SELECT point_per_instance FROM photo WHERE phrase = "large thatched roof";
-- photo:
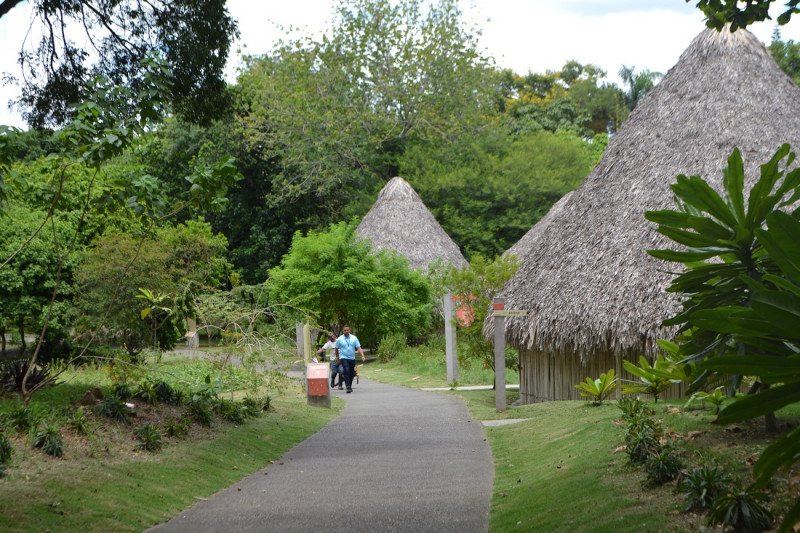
(528, 241)
(400, 221)
(588, 284)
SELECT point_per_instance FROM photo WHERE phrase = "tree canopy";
(192, 36)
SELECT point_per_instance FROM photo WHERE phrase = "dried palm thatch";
(528, 241)
(590, 289)
(400, 221)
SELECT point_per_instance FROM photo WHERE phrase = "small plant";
(741, 511)
(716, 398)
(114, 408)
(663, 465)
(166, 394)
(231, 411)
(177, 427)
(256, 405)
(78, 421)
(640, 446)
(702, 485)
(22, 418)
(48, 439)
(122, 391)
(200, 411)
(599, 389)
(149, 438)
(391, 345)
(631, 407)
(6, 449)
(653, 380)
(146, 391)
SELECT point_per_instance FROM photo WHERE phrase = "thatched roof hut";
(522, 247)
(592, 293)
(400, 221)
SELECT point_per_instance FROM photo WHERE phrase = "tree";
(194, 37)
(720, 12)
(638, 84)
(335, 278)
(342, 110)
(786, 54)
(478, 284)
(487, 190)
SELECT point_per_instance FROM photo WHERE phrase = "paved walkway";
(396, 460)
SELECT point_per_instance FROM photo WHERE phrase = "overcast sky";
(525, 35)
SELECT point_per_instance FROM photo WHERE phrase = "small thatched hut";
(528, 241)
(400, 221)
(593, 295)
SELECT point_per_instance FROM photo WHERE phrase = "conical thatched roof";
(400, 221)
(588, 284)
(528, 241)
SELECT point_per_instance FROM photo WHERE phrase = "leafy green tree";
(786, 54)
(638, 84)
(720, 12)
(741, 314)
(57, 71)
(342, 110)
(38, 270)
(335, 278)
(478, 284)
(487, 190)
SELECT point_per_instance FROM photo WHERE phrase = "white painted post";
(499, 355)
(451, 354)
(307, 344)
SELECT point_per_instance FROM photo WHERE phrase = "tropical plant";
(78, 421)
(663, 465)
(741, 288)
(6, 449)
(147, 391)
(653, 378)
(48, 438)
(390, 346)
(149, 438)
(715, 398)
(702, 485)
(741, 511)
(599, 389)
(177, 427)
(632, 408)
(114, 407)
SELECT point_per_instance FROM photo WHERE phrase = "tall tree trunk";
(22, 344)
(3, 342)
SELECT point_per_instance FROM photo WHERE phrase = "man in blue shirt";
(346, 346)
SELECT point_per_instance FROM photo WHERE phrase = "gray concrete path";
(396, 460)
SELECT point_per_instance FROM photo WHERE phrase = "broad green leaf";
(791, 518)
(764, 402)
(696, 191)
(782, 242)
(684, 257)
(691, 239)
(750, 365)
(780, 454)
(733, 183)
(759, 201)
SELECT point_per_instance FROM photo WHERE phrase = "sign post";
(500, 313)
(498, 304)
(451, 357)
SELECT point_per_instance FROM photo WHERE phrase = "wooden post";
(298, 331)
(499, 355)
(307, 343)
(451, 354)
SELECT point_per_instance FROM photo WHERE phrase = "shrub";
(12, 372)
(390, 346)
(256, 405)
(177, 427)
(122, 391)
(200, 411)
(631, 407)
(114, 408)
(78, 421)
(663, 465)
(48, 439)
(741, 511)
(232, 411)
(6, 449)
(22, 418)
(702, 485)
(146, 391)
(166, 394)
(149, 438)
